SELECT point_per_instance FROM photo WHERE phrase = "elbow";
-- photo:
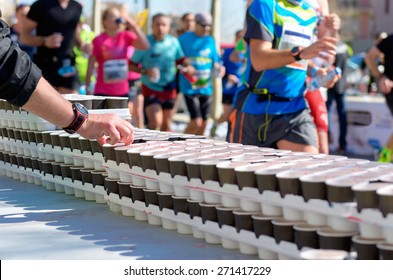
(367, 59)
(259, 66)
(259, 63)
(145, 46)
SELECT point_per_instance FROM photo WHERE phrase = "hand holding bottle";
(154, 74)
(218, 70)
(53, 41)
(188, 73)
(329, 26)
(231, 81)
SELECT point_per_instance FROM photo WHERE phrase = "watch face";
(295, 50)
(81, 108)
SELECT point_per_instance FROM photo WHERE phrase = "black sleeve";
(386, 44)
(19, 76)
(35, 12)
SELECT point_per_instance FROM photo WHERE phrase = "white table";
(39, 224)
(370, 123)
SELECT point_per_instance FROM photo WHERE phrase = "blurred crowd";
(278, 79)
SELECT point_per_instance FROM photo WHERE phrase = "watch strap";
(297, 56)
(296, 51)
(77, 122)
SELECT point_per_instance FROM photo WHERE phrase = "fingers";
(328, 42)
(123, 132)
(126, 131)
(108, 128)
(102, 140)
(327, 55)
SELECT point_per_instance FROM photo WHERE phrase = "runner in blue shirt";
(159, 73)
(232, 78)
(270, 109)
(200, 48)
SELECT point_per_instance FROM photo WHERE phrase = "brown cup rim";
(111, 179)
(335, 182)
(194, 201)
(329, 232)
(205, 204)
(270, 171)
(153, 152)
(361, 240)
(150, 190)
(168, 155)
(227, 164)
(209, 162)
(307, 227)
(161, 193)
(254, 167)
(227, 208)
(285, 222)
(385, 246)
(250, 213)
(182, 158)
(195, 161)
(137, 187)
(265, 217)
(179, 197)
(370, 187)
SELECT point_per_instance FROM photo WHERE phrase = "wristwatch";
(81, 114)
(295, 52)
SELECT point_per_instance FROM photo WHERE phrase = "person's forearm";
(374, 69)
(264, 57)
(134, 68)
(89, 72)
(141, 42)
(32, 40)
(236, 56)
(47, 103)
(371, 62)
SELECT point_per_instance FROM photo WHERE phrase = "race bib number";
(115, 70)
(295, 35)
(203, 79)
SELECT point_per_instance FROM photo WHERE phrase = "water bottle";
(320, 81)
(217, 70)
(155, 78)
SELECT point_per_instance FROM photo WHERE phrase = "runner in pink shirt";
(111, 53)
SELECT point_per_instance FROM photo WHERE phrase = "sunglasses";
(205, 25)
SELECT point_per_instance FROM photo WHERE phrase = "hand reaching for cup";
(107, 129)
